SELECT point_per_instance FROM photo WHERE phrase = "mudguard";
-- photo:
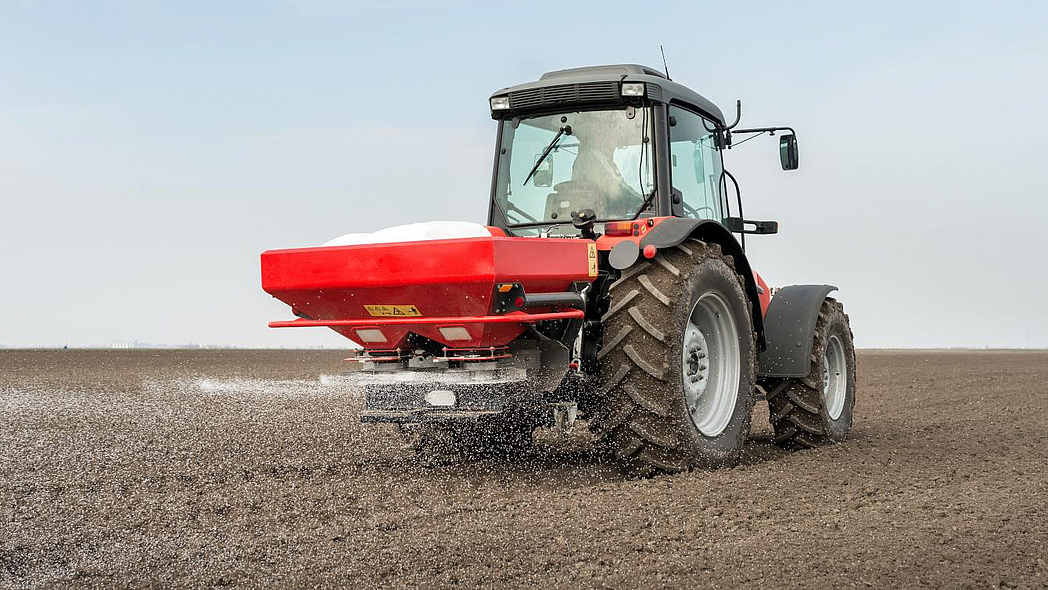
(789, 330)
(673, 231)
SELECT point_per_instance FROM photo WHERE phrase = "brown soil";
(243, 468)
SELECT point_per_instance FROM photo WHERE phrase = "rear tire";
(678, 362)
(817, 410)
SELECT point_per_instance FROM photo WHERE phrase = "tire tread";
(636, 417)
(795, 405)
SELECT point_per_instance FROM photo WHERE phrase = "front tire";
(678, 362)
(817, 409)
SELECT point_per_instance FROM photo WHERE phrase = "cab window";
(603, 163)
(695, 164)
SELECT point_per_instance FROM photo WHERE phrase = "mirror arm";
(738, 115)
(765, 130)
(726, 141)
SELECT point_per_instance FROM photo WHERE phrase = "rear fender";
(790, 330)
(674, 230)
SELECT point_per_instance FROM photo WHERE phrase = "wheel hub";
(710, 360)
(696, 364)
(834, 377)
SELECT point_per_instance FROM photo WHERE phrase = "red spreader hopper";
(466, 293)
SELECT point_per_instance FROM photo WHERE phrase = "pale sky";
(149, 150)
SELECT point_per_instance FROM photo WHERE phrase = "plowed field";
(248, 468)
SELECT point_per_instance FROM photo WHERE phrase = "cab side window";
(695, 164)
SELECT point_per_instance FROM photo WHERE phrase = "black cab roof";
(597, 85)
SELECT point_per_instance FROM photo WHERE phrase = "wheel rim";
(834, 377)
(710, 367)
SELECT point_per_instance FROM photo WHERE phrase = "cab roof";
(600, 84)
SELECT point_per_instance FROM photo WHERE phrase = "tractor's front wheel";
(678, 362)
(817, 409)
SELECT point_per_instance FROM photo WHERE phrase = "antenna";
(666, 67)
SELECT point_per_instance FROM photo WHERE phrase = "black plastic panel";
(789, 330)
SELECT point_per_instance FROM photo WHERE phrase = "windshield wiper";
(565, 130)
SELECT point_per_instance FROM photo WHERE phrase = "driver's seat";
(570, 196)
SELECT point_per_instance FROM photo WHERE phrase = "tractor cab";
(623, 141)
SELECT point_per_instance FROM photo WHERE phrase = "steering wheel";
(698, 212)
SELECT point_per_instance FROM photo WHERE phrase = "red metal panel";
(378, 265)
(609, 242)
(451, 278)
(763, 293)
(542, 265)
(510, 318)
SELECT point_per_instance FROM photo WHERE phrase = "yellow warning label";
(407, 311)
(592, 259)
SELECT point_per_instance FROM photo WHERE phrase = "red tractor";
(608, 284)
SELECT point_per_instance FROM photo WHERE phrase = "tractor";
(610, 285)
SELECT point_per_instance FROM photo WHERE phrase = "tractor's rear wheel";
(817, 409)
(678, 362)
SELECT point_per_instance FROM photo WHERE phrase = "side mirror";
(788, 155)
(543, 175)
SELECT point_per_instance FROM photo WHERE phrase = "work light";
(632, 89)
(499, 103)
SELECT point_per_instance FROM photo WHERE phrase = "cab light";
(618, 228)
(499, 103)
(632, 89)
